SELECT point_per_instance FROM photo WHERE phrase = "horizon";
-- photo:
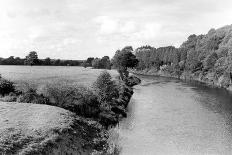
(77, 29)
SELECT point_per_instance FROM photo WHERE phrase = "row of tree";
(32, 59)
(98, 63)
(205, 53)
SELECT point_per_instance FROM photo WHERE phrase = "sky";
(77, 29)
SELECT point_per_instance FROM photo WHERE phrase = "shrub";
(78, 99)
(31, 96)
(6, 87)
(133, 80)
(105, 88)
(12, 97)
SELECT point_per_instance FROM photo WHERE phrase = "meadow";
(40, 75)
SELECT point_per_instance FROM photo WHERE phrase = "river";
(173, 117)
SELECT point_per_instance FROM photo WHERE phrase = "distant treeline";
(32, 59)
(98, 63)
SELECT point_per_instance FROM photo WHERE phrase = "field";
(40, 75)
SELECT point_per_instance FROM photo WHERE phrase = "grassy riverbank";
(42, 129)
(62, 117)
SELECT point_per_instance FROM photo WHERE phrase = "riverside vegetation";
(206, 58)
(96, 108)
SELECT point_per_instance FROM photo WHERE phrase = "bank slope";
(43, 129)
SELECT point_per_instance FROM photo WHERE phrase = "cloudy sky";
(76, 29)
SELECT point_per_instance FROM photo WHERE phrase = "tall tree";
(89, 60)
(32, 59)
(124, 59)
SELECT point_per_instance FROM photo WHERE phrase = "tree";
(124, 59)
(89, 61)
(209, 61)
(96, 62)
(47, 61)
(105, 88)
(105, 62)
(32, 59)
(57, 62)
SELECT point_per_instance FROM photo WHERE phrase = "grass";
(23, 124)
(41, 75)
(39, 129)
(26, 124)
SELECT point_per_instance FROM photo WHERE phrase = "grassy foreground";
(42, 129)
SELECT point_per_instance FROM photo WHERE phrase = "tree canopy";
(124, 59)
(32, 59)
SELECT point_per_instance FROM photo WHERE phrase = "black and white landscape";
(115, 77)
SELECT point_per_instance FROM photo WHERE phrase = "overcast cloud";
(76, 29)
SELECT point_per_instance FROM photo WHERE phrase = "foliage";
(103, 63)
(47, 62)
(30, 95)
(152, 57)
(6, 87)
(124, 59)
(96, 63)
(11, 97)
(209, 61)
(12, 61)
(85, 64)
(105, 88)
(78, 99)
(211, 52)
(32, 59)
(89, 60)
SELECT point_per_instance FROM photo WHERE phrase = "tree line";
(32, 59)
(98, 63)
(211, 52)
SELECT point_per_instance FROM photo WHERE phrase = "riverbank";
(27, 128)
(209, 78)
(42, 129)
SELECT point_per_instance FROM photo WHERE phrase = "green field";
(50, 74)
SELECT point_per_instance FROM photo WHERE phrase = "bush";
(133, 80)
(6, 87)
(31, 96)
(12, 97)
(78, 99)
(105, 88)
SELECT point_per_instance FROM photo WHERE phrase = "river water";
(172, 117)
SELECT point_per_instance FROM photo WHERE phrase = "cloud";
(107, 24)
(128, 27)
(76, 29)
(148, 31)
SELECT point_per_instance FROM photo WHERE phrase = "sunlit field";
(50, 74)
